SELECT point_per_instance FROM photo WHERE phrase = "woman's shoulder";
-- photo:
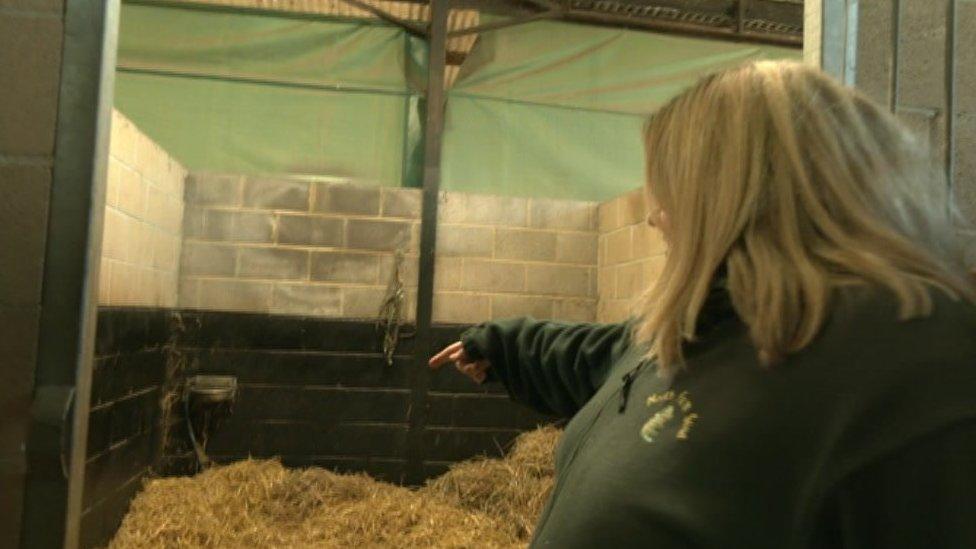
(873, 317)
(899, 379)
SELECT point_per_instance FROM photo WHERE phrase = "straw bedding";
(259, 503)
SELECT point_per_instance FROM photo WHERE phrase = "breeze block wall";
(295, 246)
(143, 221)
(31, 39)
(299, 247)
(504, 257)
(631, 255)
(918, 58)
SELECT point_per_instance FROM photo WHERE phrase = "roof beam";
(409, 26)
(549, 14)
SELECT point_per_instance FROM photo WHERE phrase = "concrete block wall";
(964, 122)
(143, 221)
(327, 249)
(918, 57)
(631, 255)
(31, 37)
(294, 246)
(501, 257)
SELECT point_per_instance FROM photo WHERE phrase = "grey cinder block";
(345, 198)
(273, 263)
(525, 245)
(310, 230)
(200, 258)
(233, 295)
(276, 194)
(236, 226)
(576, 248)
(345, 267)
(203, 189)
(562, 280)
(367, 234)
(403, 203)
(562, 214)
(492, 276)
(305, 299)
(508, 306)
(459, 240)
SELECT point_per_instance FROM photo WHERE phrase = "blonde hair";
(795, 185)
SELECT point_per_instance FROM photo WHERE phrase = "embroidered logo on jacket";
(677, 409)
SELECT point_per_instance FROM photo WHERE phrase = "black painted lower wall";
(317, 392)
(312, 391)
(129, 370)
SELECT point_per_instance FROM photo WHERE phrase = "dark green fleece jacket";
(866, 439)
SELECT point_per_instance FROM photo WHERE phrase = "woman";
(802, 375)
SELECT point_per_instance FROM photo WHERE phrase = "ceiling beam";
(409, 26)
(681, 28)
(518, 20)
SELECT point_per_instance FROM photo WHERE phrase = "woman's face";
(656, 218)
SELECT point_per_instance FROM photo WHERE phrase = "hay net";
(259, 503)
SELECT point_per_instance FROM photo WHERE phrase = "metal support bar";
(433, 129)
(409, 26)
(952, 46)
(835, 38)
(550, 14)
(850, 45)
(675, 27)
(740, 16)
(553, 10)
(56, 468)
(895, 53)
(547, 5)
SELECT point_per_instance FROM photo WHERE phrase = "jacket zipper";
(628, 380)
(624, 392)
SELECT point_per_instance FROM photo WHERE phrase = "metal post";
(57, 442)
(839, 32)
(952, 110)
(433, 128)
(850, 45)
(895, 63)
(740, 17)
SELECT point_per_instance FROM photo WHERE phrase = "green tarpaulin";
(596, 68)
(521, 149)
(542, 109)
(556, 109)
(240, 127)
(239, 92)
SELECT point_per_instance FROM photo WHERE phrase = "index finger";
(444, 356)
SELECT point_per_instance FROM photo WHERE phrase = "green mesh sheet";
(235, 91)
(235, 127)
(542, 109)
(243, 45)
(555, 109)
(596, 68)
(519, 149)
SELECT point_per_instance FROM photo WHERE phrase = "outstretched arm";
(554, 367)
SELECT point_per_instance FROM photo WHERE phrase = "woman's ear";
(663, 223)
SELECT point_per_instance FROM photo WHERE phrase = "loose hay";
(260, 503)
(511, 490)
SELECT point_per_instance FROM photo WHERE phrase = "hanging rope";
(391, 311)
